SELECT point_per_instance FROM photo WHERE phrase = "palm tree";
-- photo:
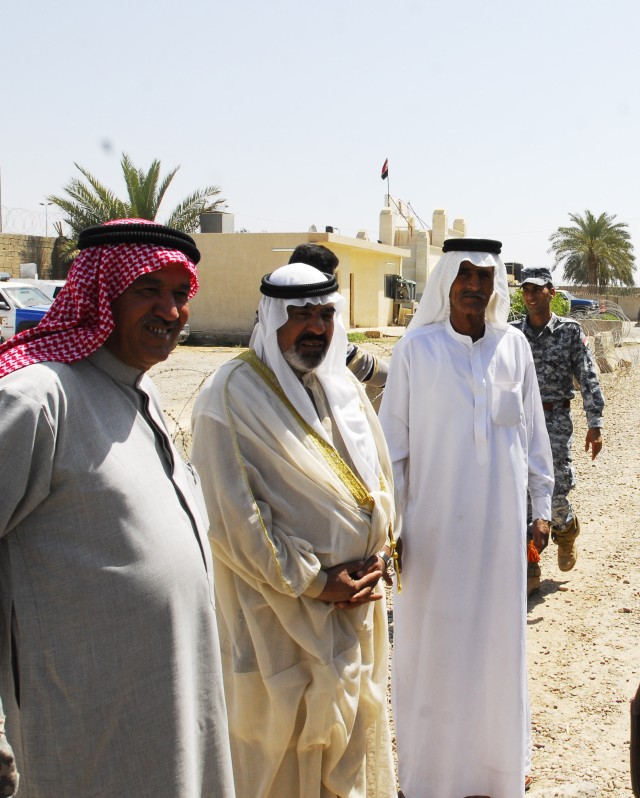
(90, 203)
(62, 254)
(594, 251)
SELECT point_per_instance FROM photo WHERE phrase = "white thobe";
(467, 435)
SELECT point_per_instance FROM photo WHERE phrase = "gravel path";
(583, 626)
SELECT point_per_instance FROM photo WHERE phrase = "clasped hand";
(351, 584)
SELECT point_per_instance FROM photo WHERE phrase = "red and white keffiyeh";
(80, 319)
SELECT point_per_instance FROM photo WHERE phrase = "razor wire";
(22, 221)
(609, 332)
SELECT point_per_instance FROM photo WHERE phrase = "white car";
(22, 305)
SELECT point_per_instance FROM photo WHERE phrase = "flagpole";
(385, 176)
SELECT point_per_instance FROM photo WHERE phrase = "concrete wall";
(630, 304)
(232, 265)
(16, 249)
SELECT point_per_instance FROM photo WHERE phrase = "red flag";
(385, 169)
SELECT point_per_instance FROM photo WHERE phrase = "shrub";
(559, 305)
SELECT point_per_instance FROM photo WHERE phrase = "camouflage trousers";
(560, 429)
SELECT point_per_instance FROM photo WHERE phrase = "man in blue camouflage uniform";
(561, 353)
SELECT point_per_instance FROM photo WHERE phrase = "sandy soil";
(584, 626)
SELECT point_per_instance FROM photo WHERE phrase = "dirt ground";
(583, 626)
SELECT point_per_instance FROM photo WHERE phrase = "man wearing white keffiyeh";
(298, 486)
(466, 433)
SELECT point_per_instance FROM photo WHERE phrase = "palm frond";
(186, 215)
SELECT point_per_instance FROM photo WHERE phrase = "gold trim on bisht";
(337, 464)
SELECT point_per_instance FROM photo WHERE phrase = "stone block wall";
(16, 249)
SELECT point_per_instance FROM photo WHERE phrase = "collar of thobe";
(465, 339)
(480, 388)
(134, 379)
(106, 361)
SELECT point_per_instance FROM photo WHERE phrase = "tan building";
(232, 265)
(398, 226)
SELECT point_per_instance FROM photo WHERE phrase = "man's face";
(305, 337)
(471, 290)
(537, 298)
(149, 315)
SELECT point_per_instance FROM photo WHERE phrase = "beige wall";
(363, 266)
(232, 265)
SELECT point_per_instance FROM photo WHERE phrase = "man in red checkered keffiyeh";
(80, 320)
(113, 685)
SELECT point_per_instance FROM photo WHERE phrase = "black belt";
(549, 406)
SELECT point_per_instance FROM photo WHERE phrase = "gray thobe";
(110, 666)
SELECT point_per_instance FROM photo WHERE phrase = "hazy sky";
(507, 114)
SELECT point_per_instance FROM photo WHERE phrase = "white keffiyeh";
(342, 393)
(435, 306)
